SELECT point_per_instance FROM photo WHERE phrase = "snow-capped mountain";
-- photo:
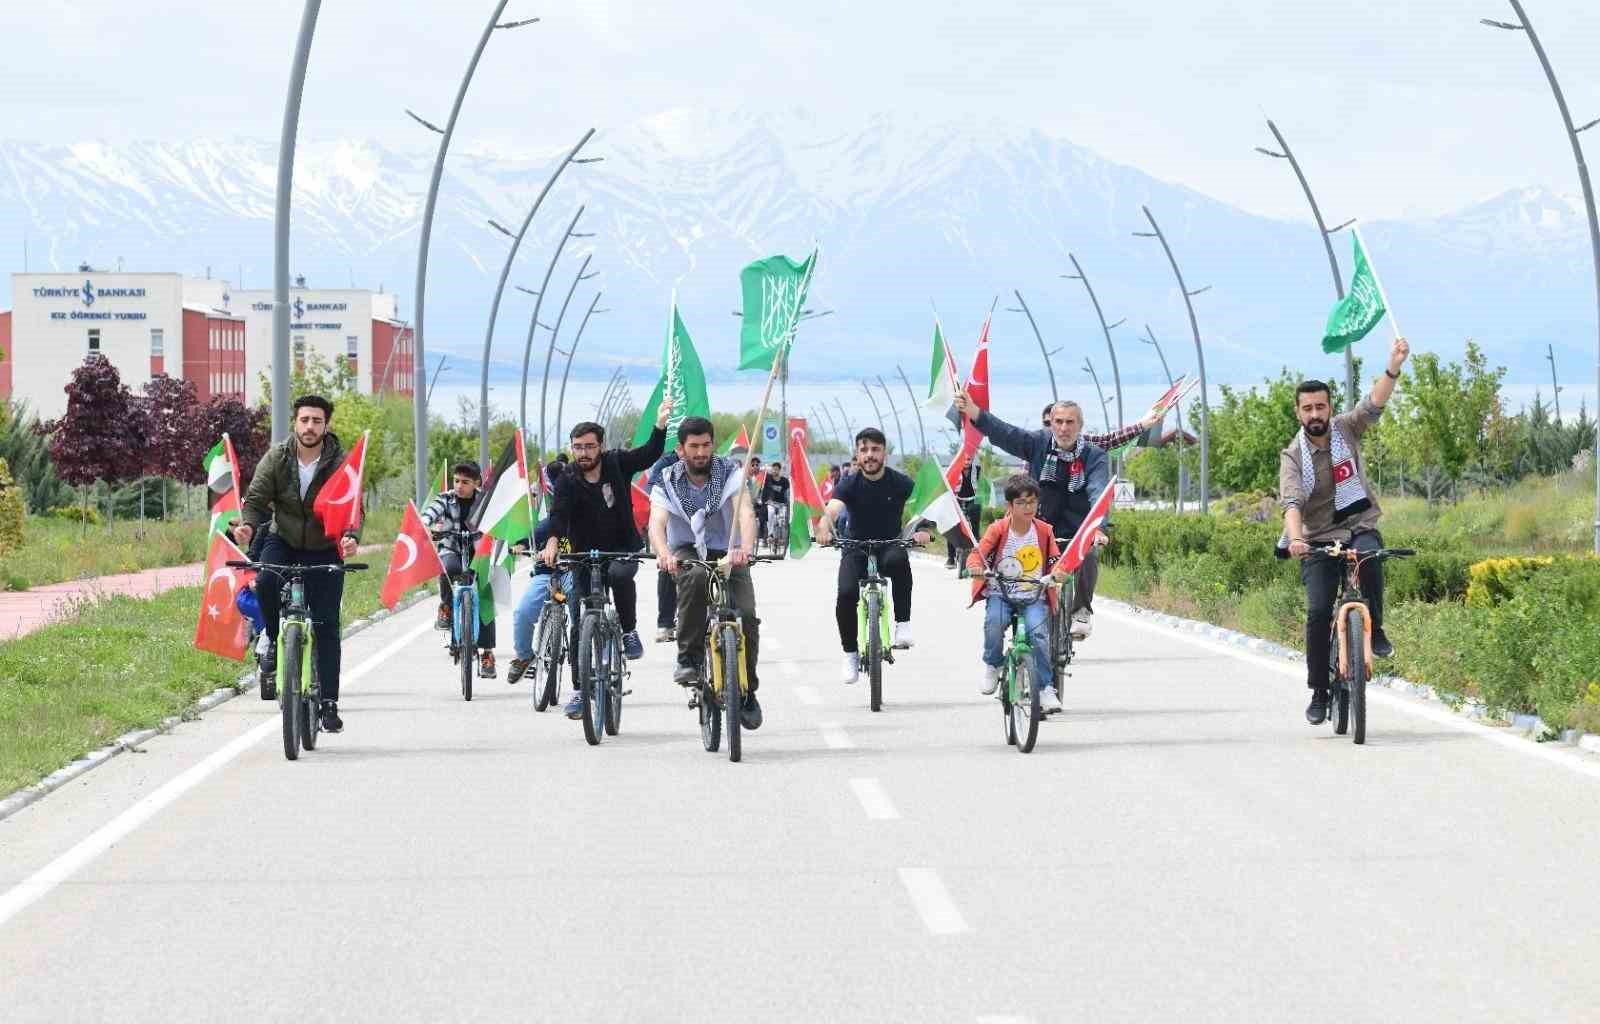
(908, 213)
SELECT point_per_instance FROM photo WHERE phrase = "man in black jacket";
(593, 511)
(448, 518)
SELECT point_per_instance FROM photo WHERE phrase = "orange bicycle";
(1350, 653)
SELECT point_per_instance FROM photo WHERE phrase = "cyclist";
(446, 515)
(1323, 488)
(753, 479)
(692, 509)
(1018, 544)
(287, 481)
(875, 498)
(774, 501)
(526, 615)
(1071, 469)
(593, 511)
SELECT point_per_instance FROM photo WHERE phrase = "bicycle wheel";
(614, 686)
(1355, 639)
(1338, 694)
(732, 699)
(1061, 633)
(291, 656)
(1025, 709)
(591, 669)
(1005, 706)
(550, 652)
(464, 649)
(310, 720)
(874, 601)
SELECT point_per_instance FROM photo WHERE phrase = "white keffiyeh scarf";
(1349, 494)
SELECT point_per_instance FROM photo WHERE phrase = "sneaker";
(1050, 701)
(268, 664)
(1082, 624)
(949, 563)
(664, 635)
(902, 636)
(1381, 647)
(486, 665)
(1317, 710)
(991, 680)
(442, 620)
(632, 646)
(850, 670)
(750, 714)
(519, 668)
(331, 722)
(686, 674)
(574, 708)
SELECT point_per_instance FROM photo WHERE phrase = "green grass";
(1539, 515)
(54, 550)
(119, 664)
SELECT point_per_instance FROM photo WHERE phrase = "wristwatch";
(1390, 374)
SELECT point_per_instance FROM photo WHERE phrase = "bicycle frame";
(464, 602)
(874, 580)
(1351, 599)
(295, 612)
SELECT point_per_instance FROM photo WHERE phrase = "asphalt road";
(1181, 845)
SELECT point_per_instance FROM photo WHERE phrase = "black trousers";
(324, 592)
(666, 599)
(969, 509)
(694, 607)
(895, 565)
(624, 593)
(453, 567)
(1323, 580)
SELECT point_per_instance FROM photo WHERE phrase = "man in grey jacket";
(1323, 488)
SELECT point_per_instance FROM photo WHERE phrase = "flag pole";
(1377, 279)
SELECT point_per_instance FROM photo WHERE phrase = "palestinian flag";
(806, 496)
(222, 478)
(737, 447)
(444, 478)
(507, 512)
(493, 563)
(933, 500)
(941, 395)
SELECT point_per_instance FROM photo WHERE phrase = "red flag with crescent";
(222, 628)
(1083, 541)
(414, 560)
(338, 504)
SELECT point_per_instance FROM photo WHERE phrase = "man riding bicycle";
(875, 500)
(592, 511)
(287, 481)
(1071, 469)
(1323, 488)
(692, 511)
(447, 517)
(774, 500)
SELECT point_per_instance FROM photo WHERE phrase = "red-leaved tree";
(177, 449)
(104, 434)
(249, 429)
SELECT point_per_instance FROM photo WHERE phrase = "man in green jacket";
(285, 488)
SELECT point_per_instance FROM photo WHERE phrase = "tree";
(27, 452)
(104, 435)
(176, 449)
(1443, 414)
(1248, 430)
(249, 429)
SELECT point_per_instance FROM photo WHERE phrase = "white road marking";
(833, 735)
(36, 886)
(1377, 694)
(932, 901)
(1001, 1018)
(807, 696)
(789, 668)
(874, 799)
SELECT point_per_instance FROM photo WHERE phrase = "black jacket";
(599, 516)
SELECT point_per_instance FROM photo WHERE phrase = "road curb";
(133, 740)
(1532, 727)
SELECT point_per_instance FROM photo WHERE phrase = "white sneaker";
(902, 636)
(1050, 701)
(850, 671)
(991, 680)
(262, 645)
(1082, 624)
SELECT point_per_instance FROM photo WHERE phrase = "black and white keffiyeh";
(695, 504)
(1072, 458)
(1349, 494)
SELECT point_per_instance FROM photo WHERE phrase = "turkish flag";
(414, 560)
(640, 494)
(338, 503)
(1083, 541)
(977, 386)
(222, 628)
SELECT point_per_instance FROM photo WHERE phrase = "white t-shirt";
(1021, 557)
(307, 472)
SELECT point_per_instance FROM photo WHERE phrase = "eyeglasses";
(585, 447)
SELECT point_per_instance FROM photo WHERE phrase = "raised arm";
(1010, 439)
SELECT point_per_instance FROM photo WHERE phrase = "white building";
(351, 323)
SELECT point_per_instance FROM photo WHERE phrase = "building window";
(352, 346)
(158, 343)
(94, 339)
(299, 353)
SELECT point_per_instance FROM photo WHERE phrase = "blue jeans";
(526, 617)
(997, 619)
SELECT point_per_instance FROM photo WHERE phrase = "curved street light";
(534, 325)
(1104, 410)
(555, 333)
(561, 398)
(922, 432)
(849, 428)
(1022, 307)
(1177, 408)
(281, 208)
(898, 429)
(1116, 373)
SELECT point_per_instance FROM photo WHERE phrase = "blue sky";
(1395, 107)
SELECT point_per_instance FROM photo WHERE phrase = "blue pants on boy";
(997, 619)
(526, 617)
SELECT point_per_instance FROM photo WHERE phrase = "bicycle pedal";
(627, 693)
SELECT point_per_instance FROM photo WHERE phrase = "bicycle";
(1350, 647)
(297, 704)
(463, 608)
(778, 527)
(1062, 643)
(1018, 691)
(601, 668)
(550, 645)
(725, 644)
(872, 624)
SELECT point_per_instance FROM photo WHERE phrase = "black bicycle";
(724, 680)
(1350, 649)
(1062, 642)
(550, 644)
(602, 667)
(872, 616)
(300, 702)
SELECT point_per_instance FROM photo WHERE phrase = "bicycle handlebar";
(289, 570)
(845, 543)
(1341, 552)
(575, 558)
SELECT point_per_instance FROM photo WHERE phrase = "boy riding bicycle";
(447, 516)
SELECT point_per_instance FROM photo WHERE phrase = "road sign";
(1125, 497)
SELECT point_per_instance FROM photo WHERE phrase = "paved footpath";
(1180, 846)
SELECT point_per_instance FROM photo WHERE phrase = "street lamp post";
(605, 396)
(832, 426)
(1555, 383)
(419, 403)
(1200, 357)
(1104, 409)
(1116, 373)
(534, 325)
(877, 413)
(285, 195)
(916, 406)
(1283, 152)
(1022, 307)
(555, 333)
(561, 397)
(505, 272)
(894, 411)
(849, 428)
(436, 371)
(1525, 25)
(1177, 408)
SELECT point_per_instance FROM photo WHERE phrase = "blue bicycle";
(463, 641)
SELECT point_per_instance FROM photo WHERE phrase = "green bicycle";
(297, 661)
(1019, 688)
(872, 618)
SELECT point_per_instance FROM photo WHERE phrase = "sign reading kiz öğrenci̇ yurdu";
(88, 297)
(298, 310)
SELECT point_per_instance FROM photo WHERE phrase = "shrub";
(11, 511)
(1276, 611)
(1494, 580)
(1202, 578)
(76, 514)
